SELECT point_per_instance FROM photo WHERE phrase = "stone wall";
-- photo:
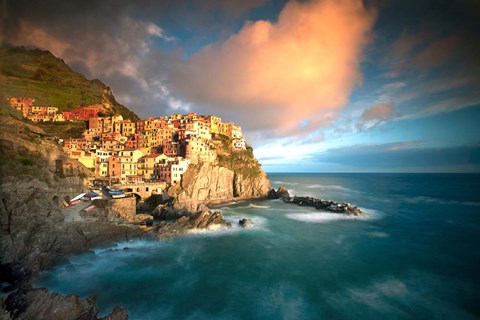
(125, 209)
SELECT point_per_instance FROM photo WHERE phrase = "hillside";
(39, 74)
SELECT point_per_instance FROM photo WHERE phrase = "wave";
(285, 183)
(259, 224)
(131, 244)
(324, 217)
(251, 205)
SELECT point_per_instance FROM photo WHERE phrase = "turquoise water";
(415, 256)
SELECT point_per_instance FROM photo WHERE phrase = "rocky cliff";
(33, 232)
(232, 174)
(209, 183)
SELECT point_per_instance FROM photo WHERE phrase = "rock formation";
(40, 304)
(245, 223)
(33, 233)
(208, 183)
(319, 204)
(202, 220)
(281, 193)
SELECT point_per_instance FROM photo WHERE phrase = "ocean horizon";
(413, 255)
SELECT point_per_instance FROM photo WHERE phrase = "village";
(124, 152)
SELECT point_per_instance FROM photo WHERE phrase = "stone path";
(72, 214)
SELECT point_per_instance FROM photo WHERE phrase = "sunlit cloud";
(284, 72)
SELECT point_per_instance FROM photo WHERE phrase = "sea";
(415, 255)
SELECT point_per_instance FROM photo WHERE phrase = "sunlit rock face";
(208, 183)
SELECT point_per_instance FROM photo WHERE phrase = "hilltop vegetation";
(239, 161)
(39, 74)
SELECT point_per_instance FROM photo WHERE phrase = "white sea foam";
(132, 244)
(330, 187)
(316, 217)
(285, 183)
(324, 217)
(251, 205)
(259, 223)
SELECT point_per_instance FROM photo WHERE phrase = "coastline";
(63, 239)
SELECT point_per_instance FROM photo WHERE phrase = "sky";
(317, 85)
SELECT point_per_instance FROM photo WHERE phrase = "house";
(126, 128)
(239, 144)
(178, 168)
(147, 163)
(19, 102)
(196, 149)
(226, 129)
(171, 171)
(83, 112)
(43, 110)
(214, 123)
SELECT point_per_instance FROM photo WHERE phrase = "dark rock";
(28, 303)
(201, 220)
(327, 205)
(272, 194)
(149, 222)
(118, 313)
(167, 212)
(245, 223)
(282, 193)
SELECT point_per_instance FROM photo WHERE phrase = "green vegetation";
(39, 74)
(241, 162)
(6, 111)
(64, 130)
(16, 163)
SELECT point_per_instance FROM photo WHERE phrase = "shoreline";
(22, 288)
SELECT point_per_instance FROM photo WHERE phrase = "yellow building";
(214, 123)
(127, 128)
(146, 164)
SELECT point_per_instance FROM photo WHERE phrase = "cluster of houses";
(43, 114)
(153, 149)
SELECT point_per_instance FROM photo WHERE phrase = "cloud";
(381, 111)
(280, 75)
(404, 156)
(375, 115)
(118, 41)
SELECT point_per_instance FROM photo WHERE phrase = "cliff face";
(209, 183)
(251, 187)
(33, 233)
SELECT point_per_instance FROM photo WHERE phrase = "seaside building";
(146, 164)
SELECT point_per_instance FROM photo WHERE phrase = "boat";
(113, 193)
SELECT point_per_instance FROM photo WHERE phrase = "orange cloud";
(301, 67)
(379, 111)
